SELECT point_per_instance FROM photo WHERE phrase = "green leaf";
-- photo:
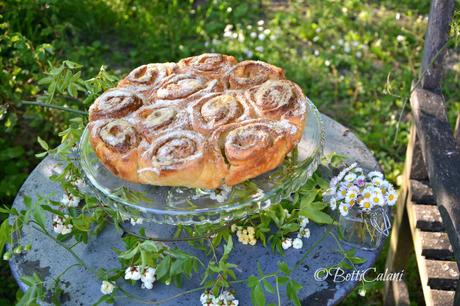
(5, 234)
(257, 295)
(284, 268)
(228, 247)
(357, 260)
(43, 143)
(317, 216)
(268, 286)
(291, 289)
(252, 281)
(149, 246)
(72, 65)
(129, 253)
(163, 267)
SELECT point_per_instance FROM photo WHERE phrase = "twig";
(62, 108)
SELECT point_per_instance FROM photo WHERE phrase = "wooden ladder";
(428, 209)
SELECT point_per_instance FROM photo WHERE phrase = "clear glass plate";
(177, 205)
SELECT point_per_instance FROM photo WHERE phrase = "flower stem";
(80, 261)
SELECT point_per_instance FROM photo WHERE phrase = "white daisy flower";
(374, 174)
(261, 36)
(367, 193)
(385, 184)
(333, 203)
(107, 287)
(229, 9)
(260, 22)
(333, 182)
(377, 199)
(392, 197)
(350, 177)
(253, 34)
(343, 208)
(287, 243)
(267, 31)
(377, 181)
(352, 195)
(260, 49)
(297, 243)
(366, 205)
(133, 273)
(342, 192)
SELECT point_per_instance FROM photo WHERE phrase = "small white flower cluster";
(69, 200)
(352, 187)
(62, 225)
(245, 235)
(349, 46)
(107, 287)
(297, 242)
(145, 274)
(226, 298)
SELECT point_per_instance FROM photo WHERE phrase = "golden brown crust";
(204, 122)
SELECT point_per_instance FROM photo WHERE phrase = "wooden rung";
(442, 274)
(427, 218)
(435, 245)
(421, 192)
(442, 297)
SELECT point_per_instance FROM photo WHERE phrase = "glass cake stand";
(178, 205)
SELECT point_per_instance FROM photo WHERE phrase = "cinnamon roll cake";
(203, 122)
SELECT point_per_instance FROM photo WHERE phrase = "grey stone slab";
(81, 287)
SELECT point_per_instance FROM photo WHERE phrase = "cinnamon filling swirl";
(119, 135)
(115, 103)
(209, 62)
(180, 86)
(277, 99)
(215, 110)
(174, 149)
(251, 73)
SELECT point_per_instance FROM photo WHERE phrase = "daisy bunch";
(353, 188)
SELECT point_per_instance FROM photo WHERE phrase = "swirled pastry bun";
(203, 122)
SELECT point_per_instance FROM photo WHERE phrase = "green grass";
(354, 59)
